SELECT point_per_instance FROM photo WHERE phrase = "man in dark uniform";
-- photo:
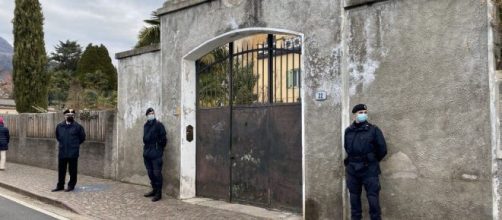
(70, 136)
(365, 147)
(154, 139)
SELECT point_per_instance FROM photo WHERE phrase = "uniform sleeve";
(82, 135)
(57, 134)
(162, 139)
(345, 139)
(381, 145)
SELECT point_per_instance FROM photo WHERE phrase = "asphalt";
(14, 211)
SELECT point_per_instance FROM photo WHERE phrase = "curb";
(43, 199)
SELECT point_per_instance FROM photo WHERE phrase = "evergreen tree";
(29, 61)
(67, 55)
(59, 86)
(107, 68)
(96, 60)
(62, 65)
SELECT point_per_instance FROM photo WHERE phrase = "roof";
(7, 102)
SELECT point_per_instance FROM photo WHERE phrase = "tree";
(151, 34)
(59, 86)
(96, 80)
(93, 59)
(75, 94)
(61, 67)
(67, 55)
(213, 83)
(244, 82)
(29, 60)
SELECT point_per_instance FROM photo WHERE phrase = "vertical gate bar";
(247, 55)
(206, 93)
(247, 62)
(197, 86)
(293, 70)
(282, 71)
(252, 69)
(287, 74)
(270, 42)
(263, 73)
(230, 72)
(300, 72)
(241, 61)
(275, 72)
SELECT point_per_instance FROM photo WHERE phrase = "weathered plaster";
(430, 96)
(139, 84)
(494, 106)
(399, 165)
(420, 65)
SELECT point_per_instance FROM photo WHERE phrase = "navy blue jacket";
(69, 136)
(365, 146)
(4, 138)
(154, 139)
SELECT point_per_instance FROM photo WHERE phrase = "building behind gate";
(425, 68)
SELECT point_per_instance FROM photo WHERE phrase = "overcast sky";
(113, 23)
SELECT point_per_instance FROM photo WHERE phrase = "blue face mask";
(362, 117)
(150, 117)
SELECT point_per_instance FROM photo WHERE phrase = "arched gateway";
(247, 131)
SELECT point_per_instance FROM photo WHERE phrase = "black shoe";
(69, 189)
(157, 197)
(150, 194)
(57, 189)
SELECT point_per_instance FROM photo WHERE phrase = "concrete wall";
(420, 65)
(422, 68)
(139, 87)
(95, 156)
(184, 31)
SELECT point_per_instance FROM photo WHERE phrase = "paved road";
(13, 211)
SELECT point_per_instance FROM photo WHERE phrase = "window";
(293, 78)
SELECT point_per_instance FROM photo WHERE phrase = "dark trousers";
(154, 168)
(72, 164)
(372, 187)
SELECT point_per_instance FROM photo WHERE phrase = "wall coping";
(173, 6)
(138, 51)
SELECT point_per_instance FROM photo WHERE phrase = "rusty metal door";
(285, 152)
(212, 153)
(249, 133)
(250, 156)
(267, 156)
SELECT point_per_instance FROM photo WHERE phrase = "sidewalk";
(105, 199)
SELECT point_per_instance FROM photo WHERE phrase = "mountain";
(6, 52)
(5, 47)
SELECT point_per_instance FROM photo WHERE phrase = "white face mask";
(150, 117)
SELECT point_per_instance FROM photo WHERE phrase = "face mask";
(70, 119)
(362, 117)
(150, 117)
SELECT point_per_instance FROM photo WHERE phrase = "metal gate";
(249, 122)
